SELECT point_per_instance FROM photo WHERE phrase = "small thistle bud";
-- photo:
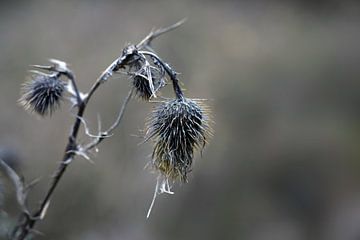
(179, 127)
(42, 94)
(146, 80)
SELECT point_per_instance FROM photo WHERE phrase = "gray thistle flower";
(42, 94)
(179, 127)
(146, 79)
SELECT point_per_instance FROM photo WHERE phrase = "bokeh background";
(282, 79)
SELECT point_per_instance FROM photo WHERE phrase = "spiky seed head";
(146, 80)
(42, 94)
(179, 127)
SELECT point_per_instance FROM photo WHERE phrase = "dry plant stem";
(103, 77)
(28, 224)
(27, 221)
(154, 34)
(30, 221)
(71, 76)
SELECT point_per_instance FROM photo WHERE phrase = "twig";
(146, 42)
(26, 227)
(116, 123)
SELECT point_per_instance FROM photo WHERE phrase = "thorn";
(43, 67)
(87, 129)
(38, 72)
(82, 153)
(32, 184)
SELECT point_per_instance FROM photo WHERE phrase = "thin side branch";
(116, 123)
(146, 42)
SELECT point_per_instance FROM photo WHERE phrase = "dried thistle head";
(147, 79)
(42, 94)
(179, 127)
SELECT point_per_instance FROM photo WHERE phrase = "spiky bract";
(179, 127)
(146, 79)
(42, 94)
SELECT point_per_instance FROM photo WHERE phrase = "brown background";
(282, 78)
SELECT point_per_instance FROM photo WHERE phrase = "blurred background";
(282, 79)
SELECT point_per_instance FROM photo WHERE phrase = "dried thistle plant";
(147, 79)
(178, 127)
(43, 93)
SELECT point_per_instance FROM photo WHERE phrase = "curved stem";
(102, 78)
(30, 222)
(116, 123)
(172, 74)
(22, 230)
(71, 76)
